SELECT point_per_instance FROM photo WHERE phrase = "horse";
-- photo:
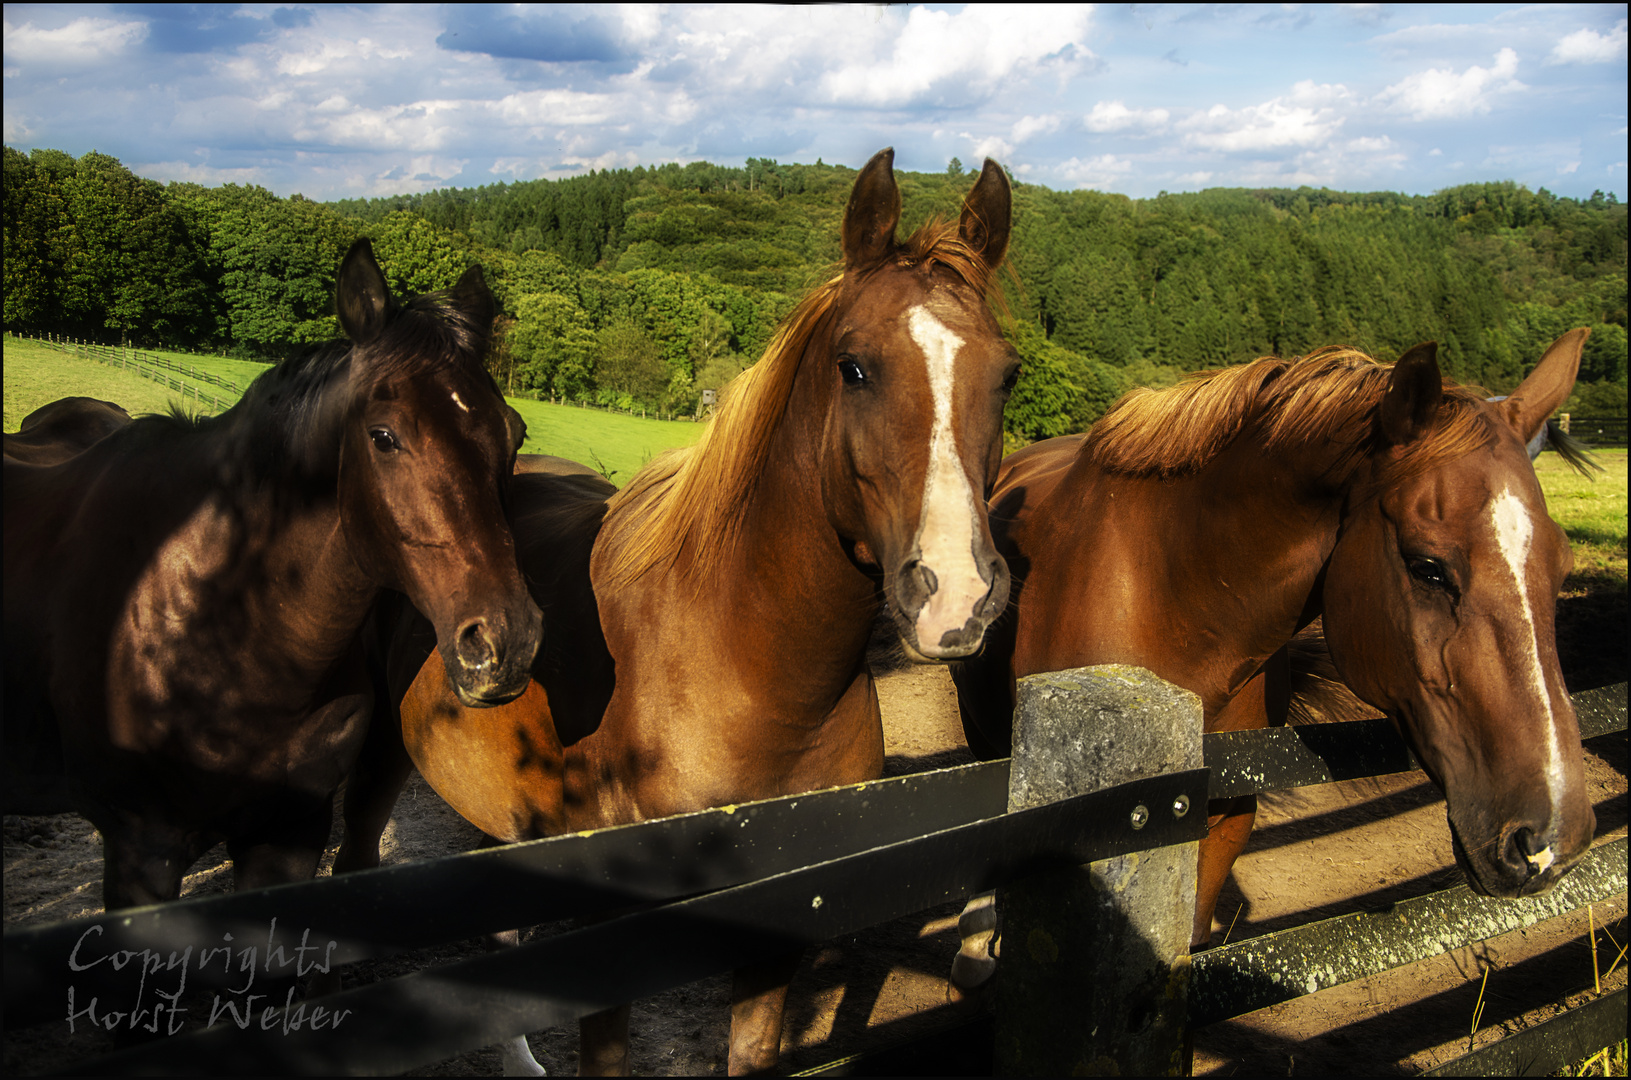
(56, 432)
(184, 596)
(1193, 531)
(709, 622)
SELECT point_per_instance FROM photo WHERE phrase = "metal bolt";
(1180, 806)
(1141, 816)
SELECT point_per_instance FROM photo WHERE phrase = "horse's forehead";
(1461, 492)
(900, 302)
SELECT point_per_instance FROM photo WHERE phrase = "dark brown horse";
(1193, 531)
(708, 626)
(56, 432)
(183, 598)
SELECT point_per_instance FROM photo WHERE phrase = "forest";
(642, 287)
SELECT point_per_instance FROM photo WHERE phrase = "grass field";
(1592, 512)
(36, 375)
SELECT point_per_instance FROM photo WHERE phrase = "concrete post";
(1094, 976)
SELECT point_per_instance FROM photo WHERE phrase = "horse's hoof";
(969, 973)
(518, 1059)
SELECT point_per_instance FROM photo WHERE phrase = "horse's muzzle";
(923, 608)
(492, 659)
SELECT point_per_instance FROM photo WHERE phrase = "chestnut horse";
(709, 625)
(1194, 530)
(183, 598)
(53, 433)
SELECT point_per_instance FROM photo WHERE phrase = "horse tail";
(1574, 452)
(1318, 694)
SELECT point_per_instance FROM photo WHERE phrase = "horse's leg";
(1228, 828)
(974, 965)
(603, 1043)
(758, 998)
(376, 780)
(514, 1053)
(142, 863)
(1261, 702)
(288, 851)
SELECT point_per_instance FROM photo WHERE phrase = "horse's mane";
(693, 497)
(297, 394)
(1329, 396)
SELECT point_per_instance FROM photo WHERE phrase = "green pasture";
(610, 443)
(613, 443)
(242, 372)
(1592, 512)
(36, 375)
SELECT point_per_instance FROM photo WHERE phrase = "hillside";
(642, 287)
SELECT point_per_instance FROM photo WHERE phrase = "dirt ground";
(1317, 852)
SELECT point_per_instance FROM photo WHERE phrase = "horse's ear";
(1413, 395)
(1548, 386)
(873, 212)
(473, 296)
(987, 214)
(362, 300)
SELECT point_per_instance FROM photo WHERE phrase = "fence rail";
(749, 882)
(148, 366)
(1597, 430)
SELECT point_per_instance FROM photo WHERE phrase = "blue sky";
(338, 101)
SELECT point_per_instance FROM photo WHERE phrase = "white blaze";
(459, 403)
(947, 529)
(1514, 533)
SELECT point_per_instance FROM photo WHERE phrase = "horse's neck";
(285, 557)
(1218, 568)
(790, 578)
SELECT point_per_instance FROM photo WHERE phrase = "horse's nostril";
(930, 582)
(1527, 853)
(475, 645)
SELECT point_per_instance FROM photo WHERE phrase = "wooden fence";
(724, 887)
(1596, 430)
(148, 365)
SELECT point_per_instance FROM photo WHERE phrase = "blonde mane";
(692, 498)
(1329, 396)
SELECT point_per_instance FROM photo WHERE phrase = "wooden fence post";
(1094, 976)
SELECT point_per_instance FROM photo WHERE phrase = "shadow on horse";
(709, 622)
(183, 597)
(1195, 530)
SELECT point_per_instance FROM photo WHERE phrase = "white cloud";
(188, 171)
(989, 147)
(1307, 117)
(1568, 168)
(975, 50)
(1437, 94)
(1110, 116)
(1028, 126)
(1105, 170)
(549, 108)
(1590, 47)
(1379, 144)
(80, 43)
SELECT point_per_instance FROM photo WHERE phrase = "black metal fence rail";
(747, 882)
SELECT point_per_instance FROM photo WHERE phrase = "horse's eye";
(1011, 381)
(1428, 572)
(384, 440)
(851, 372)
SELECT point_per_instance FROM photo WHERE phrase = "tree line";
(642, 287)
